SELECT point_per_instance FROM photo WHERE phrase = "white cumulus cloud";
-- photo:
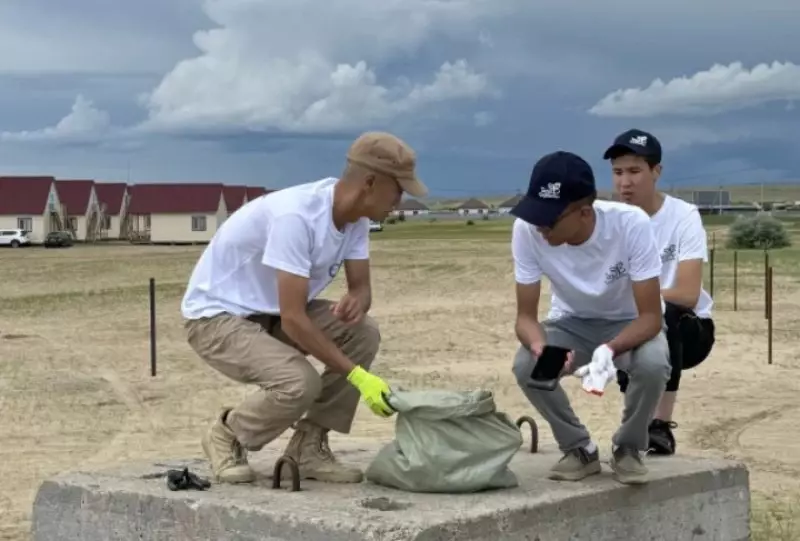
(716, 90)
(311, 66)
(84, 123)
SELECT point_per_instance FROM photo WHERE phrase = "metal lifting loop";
(534, 431)
(276, 473)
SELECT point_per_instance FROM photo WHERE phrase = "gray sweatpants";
(647, 366)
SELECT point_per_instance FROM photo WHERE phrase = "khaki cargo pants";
(255, 350)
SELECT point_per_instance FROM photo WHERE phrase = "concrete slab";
(687, 499)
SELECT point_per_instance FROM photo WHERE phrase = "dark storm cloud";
(550, 60)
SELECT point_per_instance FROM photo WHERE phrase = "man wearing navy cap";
(603, 266)
(635, 157)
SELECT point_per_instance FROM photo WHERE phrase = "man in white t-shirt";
(252, 311)
(635, 159)
(603, 267)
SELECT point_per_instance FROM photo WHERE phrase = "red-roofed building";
(235, 197)
(175, 213)
(83, 213)
(32, 204)
(113, 198)
(254, 192)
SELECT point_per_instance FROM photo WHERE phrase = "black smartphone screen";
(549, 364)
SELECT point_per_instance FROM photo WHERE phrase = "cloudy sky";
(271, 92)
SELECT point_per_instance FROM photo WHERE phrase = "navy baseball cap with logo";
(637, 142)
(557, 180)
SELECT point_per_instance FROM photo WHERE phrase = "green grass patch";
(749, 269)
(498, 229)
(494, 229)
(773, 520)
(749, 265)
(784, 258)
(791, 220)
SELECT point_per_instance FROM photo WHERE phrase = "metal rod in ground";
(769, 318)
(711, 273)
(152, 327)
(766, 284)
(735, 280)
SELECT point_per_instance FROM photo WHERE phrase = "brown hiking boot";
(576, 464)
(628, 466)
(315, 460)
(227, 456)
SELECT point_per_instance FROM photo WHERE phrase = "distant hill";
(748, 193)
(492, 201)
(742, 193)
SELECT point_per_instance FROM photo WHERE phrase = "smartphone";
(548, 367)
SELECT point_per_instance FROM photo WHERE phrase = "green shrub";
(470, 222)
(762, 231)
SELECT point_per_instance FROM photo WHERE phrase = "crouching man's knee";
(650, 362)
(300, 387)
(287, 393)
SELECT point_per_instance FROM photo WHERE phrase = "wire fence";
(744, 281)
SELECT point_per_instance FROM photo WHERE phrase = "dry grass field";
(75, 388)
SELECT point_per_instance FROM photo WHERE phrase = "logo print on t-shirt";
(615, 272)
(669, 253)
(333, 270)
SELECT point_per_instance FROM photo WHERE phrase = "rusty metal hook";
(534, 431)
(276, 473)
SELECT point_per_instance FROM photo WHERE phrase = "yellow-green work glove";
(373, 390)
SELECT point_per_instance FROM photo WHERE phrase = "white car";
(375, 226)
(14, 238)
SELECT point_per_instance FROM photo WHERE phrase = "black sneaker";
(662, 441)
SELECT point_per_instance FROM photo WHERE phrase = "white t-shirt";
(592, 280)
(680, 236)
(291, 230)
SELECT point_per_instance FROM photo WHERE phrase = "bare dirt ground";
(75, 388)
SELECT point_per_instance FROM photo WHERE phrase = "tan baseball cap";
(385, 153)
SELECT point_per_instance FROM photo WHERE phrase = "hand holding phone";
(548, 368)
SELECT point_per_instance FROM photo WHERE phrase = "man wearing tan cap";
(252, 311)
